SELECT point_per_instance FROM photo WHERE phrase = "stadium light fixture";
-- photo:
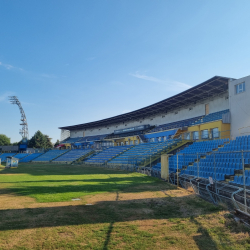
(24, 132)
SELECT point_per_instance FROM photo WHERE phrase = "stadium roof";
(212, 87)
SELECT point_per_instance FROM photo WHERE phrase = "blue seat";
(240, 180)
(248, 181)
(235, 181)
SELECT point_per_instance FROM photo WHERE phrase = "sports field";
(113, 210)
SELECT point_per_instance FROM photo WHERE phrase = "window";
(215, 132)
(187, 136)
(196, 135)
(239, 88)
(159, 139)
(136, 142)
(131, 143)
(204, 134)
(152, 140)
(126, 142)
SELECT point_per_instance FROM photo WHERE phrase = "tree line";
(38, 140)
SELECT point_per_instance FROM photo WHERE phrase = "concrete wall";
(64, 134)
(215, 104)
(239, 106)
(9, 148)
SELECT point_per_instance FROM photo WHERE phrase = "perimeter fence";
(218, 177)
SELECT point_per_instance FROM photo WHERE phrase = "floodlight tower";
(24, 132)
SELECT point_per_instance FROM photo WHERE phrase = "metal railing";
(235, 195)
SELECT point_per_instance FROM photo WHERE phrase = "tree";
(39, 140)
(4, 140)
(57, 143)
(16, 143)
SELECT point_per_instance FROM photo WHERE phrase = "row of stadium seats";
(142, 151)
(243, 138)
(21, 155)
(107, 154)
(50, 155)
(225, 162)
(73, 155)
(4, 156)
(239, 180)
(235, 147)
(212, 117)
(179, 124)
(192, 121)
(226, 171)
(157, 167)
(190, 153)
(71, 140)
(60, 155)
(221, 165)
(30, 157)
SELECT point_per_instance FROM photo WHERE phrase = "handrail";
(232, 196)
(209, 184)
(156, 146)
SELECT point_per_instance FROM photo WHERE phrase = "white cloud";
(29, 73)
(147, 78)
(175, 85)
(9, 67)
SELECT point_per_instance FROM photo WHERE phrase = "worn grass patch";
(128, 211)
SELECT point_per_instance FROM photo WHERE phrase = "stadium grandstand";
(199, 111)
(196, 136)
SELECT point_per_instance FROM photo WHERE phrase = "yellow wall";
(67, 146)
(124, 140)
(224, 128)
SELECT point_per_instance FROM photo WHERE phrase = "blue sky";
(72, 62)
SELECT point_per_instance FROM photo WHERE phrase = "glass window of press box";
(239, 88)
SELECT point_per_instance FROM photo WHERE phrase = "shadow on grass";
(59, 169)
(125, 185)
(110, 229)
(53, 190)
(204, 240)
(134, 179)
(112, 212)
(102, 212)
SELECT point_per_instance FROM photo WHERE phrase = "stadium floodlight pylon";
(24, 132)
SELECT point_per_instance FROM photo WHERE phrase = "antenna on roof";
(24, 132)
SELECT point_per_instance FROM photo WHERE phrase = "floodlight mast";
(24, 132)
